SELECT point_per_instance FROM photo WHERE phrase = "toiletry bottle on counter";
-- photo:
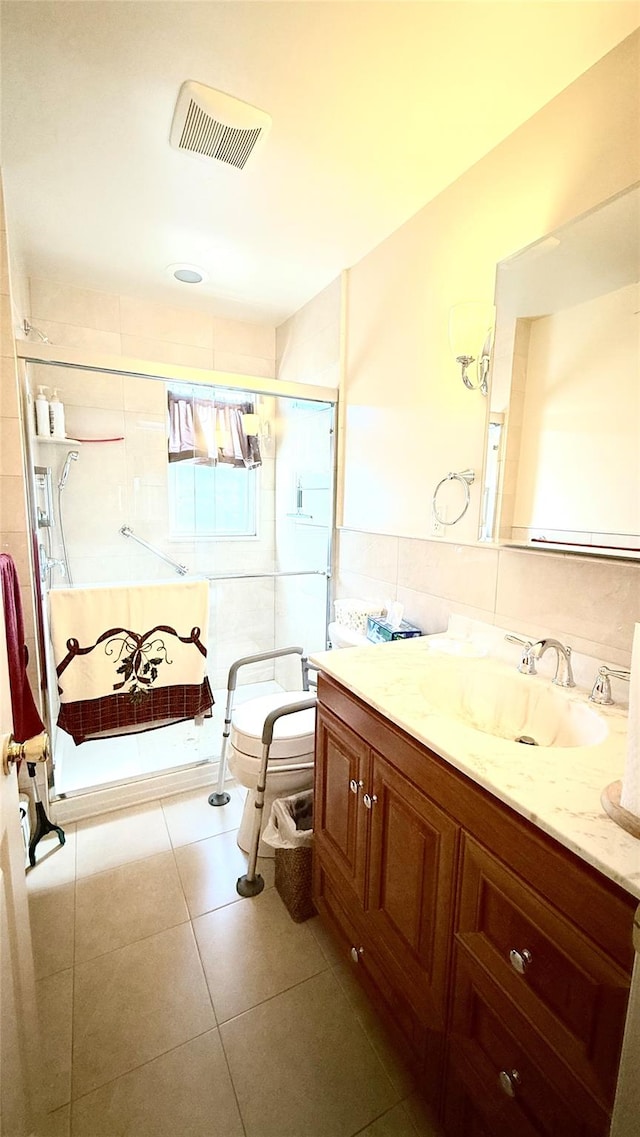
(43, 425)
(56, 415)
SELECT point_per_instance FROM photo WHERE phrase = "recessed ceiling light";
(187, 274)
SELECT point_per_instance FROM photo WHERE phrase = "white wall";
(582, 385)
(409, 420)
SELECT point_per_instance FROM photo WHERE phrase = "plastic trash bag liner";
(290, 825)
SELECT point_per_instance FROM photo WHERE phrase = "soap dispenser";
(43, 424)
(56, 415)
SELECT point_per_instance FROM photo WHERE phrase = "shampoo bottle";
(56, 415)
(43, 426)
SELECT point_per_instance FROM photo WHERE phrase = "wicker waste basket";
(289, 831)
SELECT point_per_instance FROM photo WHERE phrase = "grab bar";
(127, 531)
(264, 575)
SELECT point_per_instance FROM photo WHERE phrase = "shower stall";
(161, 479)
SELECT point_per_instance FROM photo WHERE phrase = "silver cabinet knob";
(369, 800)
(355, 953)
(520, 960)
(354, 786)
(509, 1080)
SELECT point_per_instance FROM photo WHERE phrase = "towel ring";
(466, 479)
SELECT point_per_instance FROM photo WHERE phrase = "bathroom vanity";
(475, 886)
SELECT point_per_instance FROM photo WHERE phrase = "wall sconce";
(470, 335)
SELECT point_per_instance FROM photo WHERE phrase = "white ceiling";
(376, 107)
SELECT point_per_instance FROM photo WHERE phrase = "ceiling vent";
(215, 125)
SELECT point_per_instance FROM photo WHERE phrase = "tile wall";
(158, 333)
(587, 602)
(308, 343)
(126, 482)
(307, 351)
(14, 538)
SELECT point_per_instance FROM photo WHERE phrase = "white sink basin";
(517, 707)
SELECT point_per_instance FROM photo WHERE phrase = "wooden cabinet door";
(340, 819)
(412, 861)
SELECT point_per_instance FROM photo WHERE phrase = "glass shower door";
(114, 507)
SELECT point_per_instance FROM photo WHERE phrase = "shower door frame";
(51, 355)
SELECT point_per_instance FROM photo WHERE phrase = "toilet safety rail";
(252, 883)
(220, 796)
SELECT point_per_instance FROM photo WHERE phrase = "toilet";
(341, 636)
(293, 745)
(293, 735)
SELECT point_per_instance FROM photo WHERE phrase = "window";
(213, 464)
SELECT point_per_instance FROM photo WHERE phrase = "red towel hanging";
(26, 719)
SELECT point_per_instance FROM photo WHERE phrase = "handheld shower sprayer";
(72, 456)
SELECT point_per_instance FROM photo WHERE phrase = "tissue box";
(381, 631)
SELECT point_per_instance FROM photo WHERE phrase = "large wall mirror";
(562, 466)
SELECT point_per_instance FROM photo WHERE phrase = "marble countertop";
(556, 787)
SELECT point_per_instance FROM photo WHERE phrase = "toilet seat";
(292, 745)
(293, 735)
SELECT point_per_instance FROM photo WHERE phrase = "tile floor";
(169, 1007)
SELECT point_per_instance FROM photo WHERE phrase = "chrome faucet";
(601, 692)
(564, 672)
(533, 651)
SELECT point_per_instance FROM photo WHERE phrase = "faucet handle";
(601, 691)
(527, 664)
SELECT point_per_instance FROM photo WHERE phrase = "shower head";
(72, 456)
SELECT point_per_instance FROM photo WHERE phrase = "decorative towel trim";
(112, 715)
(138, 656)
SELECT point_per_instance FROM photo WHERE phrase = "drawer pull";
(520, 960)
(370, 800)
(355, 953)
(354, 786)
(509, 1080)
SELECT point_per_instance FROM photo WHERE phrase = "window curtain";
(205, 432)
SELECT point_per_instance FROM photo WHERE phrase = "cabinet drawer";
(516, 1081)
(574, 994)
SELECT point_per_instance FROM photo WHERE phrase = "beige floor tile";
(327, 943)
(253, 950)
(185, 1093)
(190, 818)
(51, 912)
(55, 863)
(395, 1064)
(136, 1003)
(126, 904)
(116, 838)
(422, 1117)
(57, 1124)
(55, 999)
(209, 871)
(308, 1047)
(396, 1123)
